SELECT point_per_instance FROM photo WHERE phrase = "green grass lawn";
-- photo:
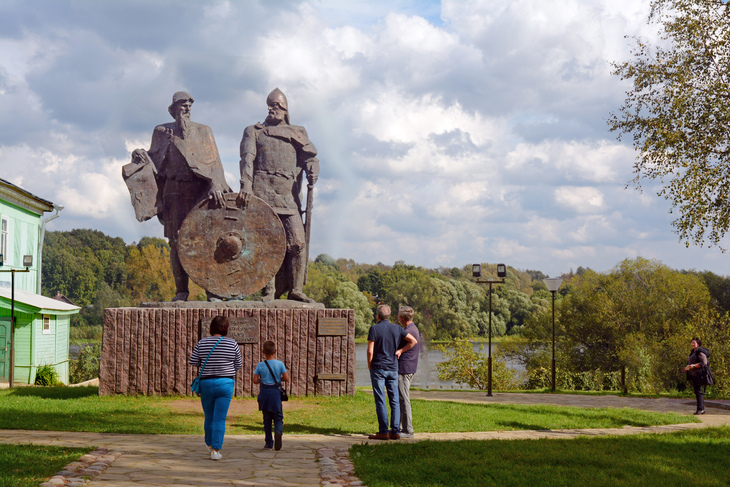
(81, 409)
(20, 465)
(697, 457)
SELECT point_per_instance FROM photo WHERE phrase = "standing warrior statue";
(187, 169)
(274, 156)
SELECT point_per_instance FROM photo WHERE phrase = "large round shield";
(233, 250)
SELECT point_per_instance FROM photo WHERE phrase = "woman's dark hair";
(219, 326)
(699, 342)
(269, 347)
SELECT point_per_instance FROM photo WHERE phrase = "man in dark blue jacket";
(383, 353)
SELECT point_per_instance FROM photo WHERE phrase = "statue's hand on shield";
(242, 199)
(216, 193)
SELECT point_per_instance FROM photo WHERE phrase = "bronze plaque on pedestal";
(332, 327)
(324, 376)
(243, 329)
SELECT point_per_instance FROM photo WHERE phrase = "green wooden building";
(41, 323)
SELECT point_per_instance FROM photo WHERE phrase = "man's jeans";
(386, 379)
(406, 420)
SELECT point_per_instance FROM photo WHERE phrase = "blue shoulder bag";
(195, 386)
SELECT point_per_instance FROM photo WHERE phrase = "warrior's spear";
(308, 224)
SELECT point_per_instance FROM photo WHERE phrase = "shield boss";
(230, 251)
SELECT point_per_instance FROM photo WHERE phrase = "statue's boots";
(298, 263)
(181, 277)
(268, 293)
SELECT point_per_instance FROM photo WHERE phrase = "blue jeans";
(278, 419)
(386, 379)
(215, 396)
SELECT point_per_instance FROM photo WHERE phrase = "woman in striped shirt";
(217, 380)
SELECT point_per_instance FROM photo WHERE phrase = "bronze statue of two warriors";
(182, 174)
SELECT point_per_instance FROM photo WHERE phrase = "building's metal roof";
(23, 198)
(37, 303)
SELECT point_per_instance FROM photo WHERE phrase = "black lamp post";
(476, 271)
(27, 262)
(553, 284)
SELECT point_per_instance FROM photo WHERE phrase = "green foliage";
(93, 332)
(30, 465)
(86, 366)
(150, 274)
(464, 365)
(719, 288)
(696, 457)
(47, 375)
(639, 317)
(678, 114)
(75, 263)
(327, 285)
(82, 409)
(592, 380)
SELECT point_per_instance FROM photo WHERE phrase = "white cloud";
(579, 199)
(479, 137)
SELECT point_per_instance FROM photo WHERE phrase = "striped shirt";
(224, 361)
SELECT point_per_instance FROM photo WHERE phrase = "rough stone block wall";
(146, 350)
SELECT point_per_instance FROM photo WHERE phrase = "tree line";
(97, 271)
(634, 321)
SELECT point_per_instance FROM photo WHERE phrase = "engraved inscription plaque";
(243, 329)
(332, 327)
(331, 376)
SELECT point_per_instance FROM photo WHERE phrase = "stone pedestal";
(145, 350)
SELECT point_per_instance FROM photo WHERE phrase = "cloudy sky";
(449, 132)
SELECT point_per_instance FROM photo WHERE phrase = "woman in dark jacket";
(698, 371)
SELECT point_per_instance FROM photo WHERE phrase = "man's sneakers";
(277, 441)
(215, 455)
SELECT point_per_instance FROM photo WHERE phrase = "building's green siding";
(23, 233)
(24, 372)
(33, 348)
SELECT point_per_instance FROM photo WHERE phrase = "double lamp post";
(476, 272)
(552, 283)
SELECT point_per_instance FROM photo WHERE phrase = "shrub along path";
(154, 460)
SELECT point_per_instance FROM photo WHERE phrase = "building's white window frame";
(47, 328)
(5, 239)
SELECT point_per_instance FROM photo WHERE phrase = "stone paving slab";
(183, 460)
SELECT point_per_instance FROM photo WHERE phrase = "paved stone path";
(311, 460)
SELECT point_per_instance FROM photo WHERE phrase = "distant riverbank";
(427, 375)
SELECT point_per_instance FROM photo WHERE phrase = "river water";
(427, 375)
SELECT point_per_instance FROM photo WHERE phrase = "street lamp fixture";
(476, 271)
(553, 284)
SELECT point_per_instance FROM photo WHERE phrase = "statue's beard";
(273, 119)
(183, 121)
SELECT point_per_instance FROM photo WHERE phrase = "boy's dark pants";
(278, 419)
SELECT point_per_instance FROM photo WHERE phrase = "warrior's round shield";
(233, 250)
